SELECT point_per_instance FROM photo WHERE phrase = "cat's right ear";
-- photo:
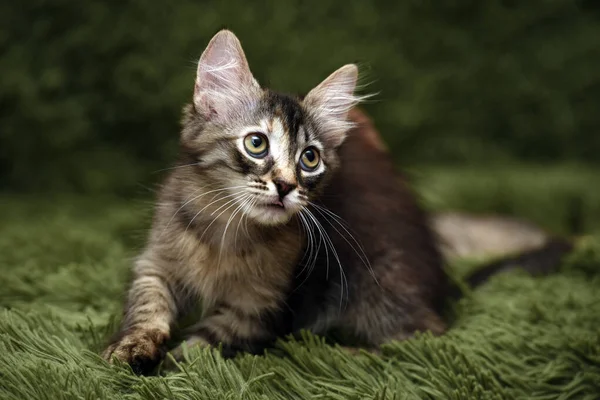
(224, 83)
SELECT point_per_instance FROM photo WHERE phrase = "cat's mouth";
(273, 211)
(275, 205)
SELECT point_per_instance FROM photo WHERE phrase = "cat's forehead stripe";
(280, 141)
(289, 111)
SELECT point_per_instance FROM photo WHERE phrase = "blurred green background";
(494, 103)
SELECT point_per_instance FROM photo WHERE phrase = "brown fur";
(383, 214)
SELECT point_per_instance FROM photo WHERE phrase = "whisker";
(211, 203)
(321, 240)
(180, 208)
(248, 204)
(221, 213)
(313, 237)
(223, 205)
(233, 214)
(176, 167)
(312, 261)
(336, 218)
(227, 188)
(299, 219)
(246, 225)
(343, 280)
(309, 237)
(244, 203)
(194, 199)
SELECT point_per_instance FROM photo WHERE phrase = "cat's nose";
(283, 187)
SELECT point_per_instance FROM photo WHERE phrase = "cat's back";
(383, 214)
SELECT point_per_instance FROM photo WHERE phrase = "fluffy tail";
(512, 243)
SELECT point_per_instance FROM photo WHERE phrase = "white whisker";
(231, 217)
(194, 199)
(246, 224)
(211, 203)
(312, 239)
(246, 206)
(337, 219)
(177, 167)
(309, 236)
(343, 280)
(221, 213)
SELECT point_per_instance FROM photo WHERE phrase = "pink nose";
(283, 187)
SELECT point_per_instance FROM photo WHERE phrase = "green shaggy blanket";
(64, 266)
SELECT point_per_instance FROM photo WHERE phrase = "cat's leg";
(376, 336)
(233, 328)
(378, 319)
(150, 310)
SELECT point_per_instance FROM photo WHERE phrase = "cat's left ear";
(330, 102)
(224, 83)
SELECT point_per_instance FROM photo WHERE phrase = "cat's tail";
(509, 242)
(541, 260)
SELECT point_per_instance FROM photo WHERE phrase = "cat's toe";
(142, 350)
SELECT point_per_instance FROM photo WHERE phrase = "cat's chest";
(255, 277)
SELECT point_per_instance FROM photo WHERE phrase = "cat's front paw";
(141, 349)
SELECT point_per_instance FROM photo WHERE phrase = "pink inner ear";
(203, 105)
(223, 81)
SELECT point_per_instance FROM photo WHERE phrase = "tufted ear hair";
(330, 102)
(224, 83)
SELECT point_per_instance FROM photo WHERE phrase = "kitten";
(282, 214)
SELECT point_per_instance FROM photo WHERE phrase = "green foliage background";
(91, 91)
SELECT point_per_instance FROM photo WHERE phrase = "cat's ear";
(330, 102)
(224, 83)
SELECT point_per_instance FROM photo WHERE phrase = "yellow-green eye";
(256, 145)
(310, 159)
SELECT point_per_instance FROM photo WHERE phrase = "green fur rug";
(64, 266)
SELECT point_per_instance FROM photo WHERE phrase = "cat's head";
(271, 151)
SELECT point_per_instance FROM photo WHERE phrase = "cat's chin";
(270, 215)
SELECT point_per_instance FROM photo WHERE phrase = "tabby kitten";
(260, 225)
(227, 229)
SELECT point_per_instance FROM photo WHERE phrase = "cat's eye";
(256, 145)
(310, 159)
